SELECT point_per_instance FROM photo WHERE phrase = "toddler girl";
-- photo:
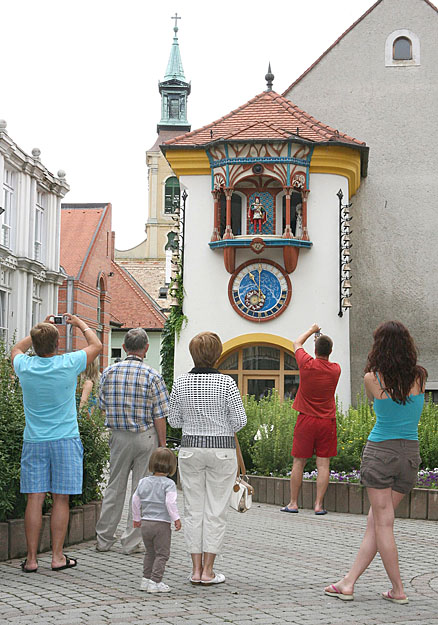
(153, 509)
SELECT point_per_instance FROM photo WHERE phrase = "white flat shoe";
(219, 578)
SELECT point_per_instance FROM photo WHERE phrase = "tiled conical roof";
(268, 116)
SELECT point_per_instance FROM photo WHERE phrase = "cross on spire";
(175, 17)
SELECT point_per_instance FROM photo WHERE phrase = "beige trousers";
(129, 451)
(207, 478)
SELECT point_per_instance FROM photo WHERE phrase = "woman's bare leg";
(197, 566)
(368, 547)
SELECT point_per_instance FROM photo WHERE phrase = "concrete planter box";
(342, 497)
(81, 527)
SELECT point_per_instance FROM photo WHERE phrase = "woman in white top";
(207, 406)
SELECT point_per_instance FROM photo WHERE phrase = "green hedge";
(266, 441)
(93, 435)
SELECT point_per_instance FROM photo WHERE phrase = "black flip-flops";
(70, 563)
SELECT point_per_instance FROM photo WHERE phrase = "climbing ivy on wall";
(173, 326)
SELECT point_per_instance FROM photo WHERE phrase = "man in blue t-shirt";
(51, 459)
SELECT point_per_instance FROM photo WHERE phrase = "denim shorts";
(390, 464)
(52, 467)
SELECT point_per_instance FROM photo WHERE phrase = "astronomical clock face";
(259, 291)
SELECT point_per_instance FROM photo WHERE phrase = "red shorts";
(314, 435)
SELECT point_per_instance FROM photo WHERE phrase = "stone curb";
(421, 503)
(81, 527)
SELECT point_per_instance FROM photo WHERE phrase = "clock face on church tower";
(259, 290)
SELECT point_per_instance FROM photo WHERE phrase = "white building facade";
(30, 272)
(259, 286)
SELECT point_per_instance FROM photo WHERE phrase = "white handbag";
(241, 496)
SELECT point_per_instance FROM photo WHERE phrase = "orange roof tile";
(79, 223)
(341, 37)
(267, 116)
(131, 305)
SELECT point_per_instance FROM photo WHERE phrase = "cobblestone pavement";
(276, 566)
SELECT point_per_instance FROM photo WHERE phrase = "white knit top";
(206, 404)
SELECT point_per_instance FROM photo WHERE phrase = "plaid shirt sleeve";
(160, 395)
(102, 402)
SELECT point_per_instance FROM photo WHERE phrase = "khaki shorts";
(390, 464)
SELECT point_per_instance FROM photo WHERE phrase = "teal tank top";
(395, 420)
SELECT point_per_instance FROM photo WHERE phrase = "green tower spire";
(174, 90)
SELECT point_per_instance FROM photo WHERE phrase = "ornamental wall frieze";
(8, 261)
(270, 163)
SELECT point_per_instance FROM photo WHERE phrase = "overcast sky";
(79, 78)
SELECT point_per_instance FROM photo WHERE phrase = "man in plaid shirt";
(136, 404)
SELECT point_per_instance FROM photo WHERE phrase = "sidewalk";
(276, 566)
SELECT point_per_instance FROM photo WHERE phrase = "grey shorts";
(390, 464)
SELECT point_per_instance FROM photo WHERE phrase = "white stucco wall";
(315, 286)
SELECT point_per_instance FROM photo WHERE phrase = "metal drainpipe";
(69, 331)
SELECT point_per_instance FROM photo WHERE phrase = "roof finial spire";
(269, 77)
(175, 17)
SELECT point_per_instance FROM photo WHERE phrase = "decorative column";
(216, 193)
(287, 234)
(304, 194)
(228, 231)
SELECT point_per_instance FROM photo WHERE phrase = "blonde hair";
(91, 372)
(163, 460)
(205, 348)
(45, 338)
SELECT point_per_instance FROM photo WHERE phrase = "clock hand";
(260, 273)
(252, 278)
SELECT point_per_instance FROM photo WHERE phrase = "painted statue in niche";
(257, 215)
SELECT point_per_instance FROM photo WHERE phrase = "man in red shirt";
(315, 429)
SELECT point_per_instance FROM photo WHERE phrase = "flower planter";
(355, 498)
(422, 503)
(81, 527)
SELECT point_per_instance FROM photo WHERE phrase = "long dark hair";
(394, 356)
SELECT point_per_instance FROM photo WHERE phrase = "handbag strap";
(241, 470)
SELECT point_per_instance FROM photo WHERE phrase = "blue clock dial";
(260, 290)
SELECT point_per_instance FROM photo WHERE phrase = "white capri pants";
(207, 478)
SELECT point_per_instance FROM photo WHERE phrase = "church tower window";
(171, 195)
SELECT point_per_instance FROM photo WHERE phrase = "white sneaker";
(144, 583)
(157, 587)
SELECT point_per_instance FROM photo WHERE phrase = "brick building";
(133, 307)
(87, 248)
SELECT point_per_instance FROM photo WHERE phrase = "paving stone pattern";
(276, 567)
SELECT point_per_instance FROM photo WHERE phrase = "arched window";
(402, 49)
(171, 195)
(260, 369)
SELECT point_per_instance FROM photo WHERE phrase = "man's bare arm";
(94, 346)
(299, 342)
(21, 347)
(160, 427)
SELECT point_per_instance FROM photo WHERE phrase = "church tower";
(164, 193)
(149, 262)
(174, 91)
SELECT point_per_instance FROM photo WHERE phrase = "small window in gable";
(402, 49)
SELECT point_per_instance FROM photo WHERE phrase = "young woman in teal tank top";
(395, 383)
